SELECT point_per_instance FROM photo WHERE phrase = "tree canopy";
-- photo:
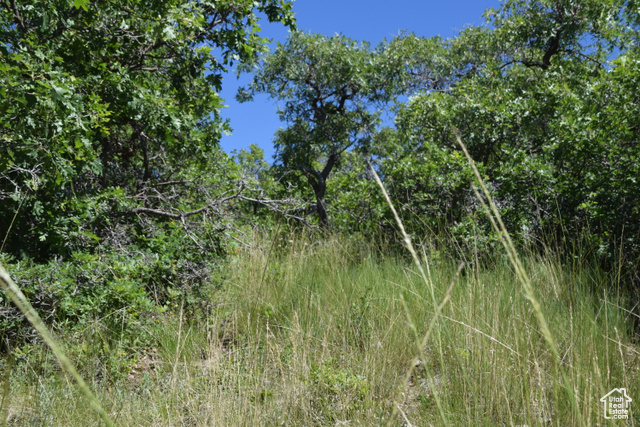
(330, 87)
(110, 108)
(542, 96)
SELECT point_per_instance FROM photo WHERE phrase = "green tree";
(543, 101)
(109, 110)
(114, 193)
(330, 87)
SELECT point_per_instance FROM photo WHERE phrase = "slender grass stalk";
(174, 376)
(18, 298)
(498, 225)
(420, 343)
(6, 235)
(405, 236)
(6, 386)
(505, 239)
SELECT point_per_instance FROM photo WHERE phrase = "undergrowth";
(308, 332)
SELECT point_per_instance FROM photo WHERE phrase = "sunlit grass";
(317, 333)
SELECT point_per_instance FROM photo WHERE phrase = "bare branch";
(181, 215)
(17, 17)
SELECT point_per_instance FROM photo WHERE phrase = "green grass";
(325, 333)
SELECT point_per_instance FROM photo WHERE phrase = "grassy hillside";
(337, 333)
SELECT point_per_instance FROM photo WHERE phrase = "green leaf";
(84, 4)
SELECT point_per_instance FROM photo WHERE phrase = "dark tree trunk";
(320, 205)
(318, 181)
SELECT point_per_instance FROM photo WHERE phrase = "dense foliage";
(109, 158)
(545, 100)
(329, 85)
(545, 108)
(109, 155)
(110, 109)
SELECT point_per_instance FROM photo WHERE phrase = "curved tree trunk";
(321, 206)
(318, 181)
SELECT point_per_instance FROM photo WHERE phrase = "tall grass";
(324, 333)
(18, 298)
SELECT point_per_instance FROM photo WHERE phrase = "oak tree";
(329, 88)
(109, 109)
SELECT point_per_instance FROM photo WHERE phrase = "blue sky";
(370, 20)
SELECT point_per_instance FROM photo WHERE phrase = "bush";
(122, 286)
